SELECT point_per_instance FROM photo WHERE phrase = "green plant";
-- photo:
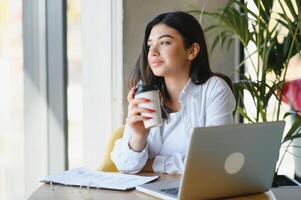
(276, 36)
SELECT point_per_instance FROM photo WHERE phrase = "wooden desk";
(59, 192)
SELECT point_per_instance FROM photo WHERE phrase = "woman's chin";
(158, 72)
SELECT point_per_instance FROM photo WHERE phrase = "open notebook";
(96, 179)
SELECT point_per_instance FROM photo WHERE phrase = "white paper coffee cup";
(154, 104)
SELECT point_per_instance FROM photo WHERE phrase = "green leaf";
(229, 43)
(291, 8)
(234, 21)
(244, 114)
(298, 135)
(245, 8)
(273, 91)
(289, 113)
(215, 42)
(209, 28)
(294, 127)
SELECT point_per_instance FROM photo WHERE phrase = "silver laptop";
(225, 161)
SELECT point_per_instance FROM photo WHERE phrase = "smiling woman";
(167, 54)
(174, 59)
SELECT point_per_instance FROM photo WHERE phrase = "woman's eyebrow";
(162, 36)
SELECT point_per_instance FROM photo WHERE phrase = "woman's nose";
(154, 51)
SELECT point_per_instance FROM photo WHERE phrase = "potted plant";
(276, 38)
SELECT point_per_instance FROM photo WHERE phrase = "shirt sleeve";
(220, 104)
(125, 159)
(173, 164)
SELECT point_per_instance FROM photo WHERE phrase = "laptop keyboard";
(171, 191)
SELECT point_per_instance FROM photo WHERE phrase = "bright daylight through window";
(11, 101)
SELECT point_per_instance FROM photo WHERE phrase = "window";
(75, 98)
(34, 86)
(95, 78)
(11, 101)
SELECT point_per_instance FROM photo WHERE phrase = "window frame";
(45, 86)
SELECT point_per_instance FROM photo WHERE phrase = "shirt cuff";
(174, 164)
(133, 153)
(159, 164)
(127, 160)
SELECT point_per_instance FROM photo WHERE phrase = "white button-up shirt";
(208, 104)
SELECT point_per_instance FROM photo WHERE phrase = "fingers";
(131, 94)
(135, 102)
(137, 118)
(138, 110)
(134, 110)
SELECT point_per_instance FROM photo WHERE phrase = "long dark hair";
(191, 31)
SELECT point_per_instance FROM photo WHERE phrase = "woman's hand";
(135, 121)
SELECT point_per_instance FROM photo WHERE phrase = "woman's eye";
(165, 43)
(149, 46)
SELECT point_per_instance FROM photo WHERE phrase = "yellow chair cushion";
(107, 164)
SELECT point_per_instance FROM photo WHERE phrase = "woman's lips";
(156, 63)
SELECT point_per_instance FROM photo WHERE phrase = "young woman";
(174, 58)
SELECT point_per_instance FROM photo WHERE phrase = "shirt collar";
(188, 90)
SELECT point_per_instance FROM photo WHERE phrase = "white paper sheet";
(88, 178)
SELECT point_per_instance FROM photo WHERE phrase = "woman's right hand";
(135, 121)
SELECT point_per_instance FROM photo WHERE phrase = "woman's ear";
(193, 51)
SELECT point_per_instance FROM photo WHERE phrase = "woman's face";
(167, 55)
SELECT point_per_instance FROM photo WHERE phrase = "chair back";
(107, 164)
